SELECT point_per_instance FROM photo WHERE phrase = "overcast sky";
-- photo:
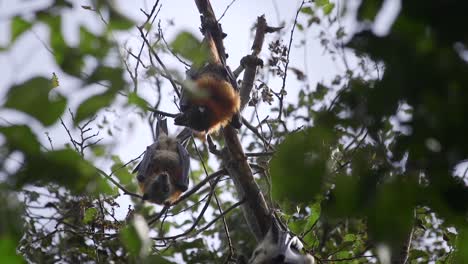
(30, 57)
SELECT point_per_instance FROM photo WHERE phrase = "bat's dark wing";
(182, 180)
(143, 167)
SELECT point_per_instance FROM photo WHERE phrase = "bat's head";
(158, 189)
(278, 247)
(196, 117)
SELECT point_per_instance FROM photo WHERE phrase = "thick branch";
(251, 62)
(255, 208)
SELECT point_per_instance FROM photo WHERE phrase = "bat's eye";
(140, 178)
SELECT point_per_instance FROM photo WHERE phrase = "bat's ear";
(161, 126)
(136, 168)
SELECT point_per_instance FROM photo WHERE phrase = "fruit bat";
(278, 247)
(163, 173)
(213, 102)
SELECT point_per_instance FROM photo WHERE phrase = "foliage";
(352, 165)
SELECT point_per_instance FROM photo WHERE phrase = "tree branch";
(255, 209)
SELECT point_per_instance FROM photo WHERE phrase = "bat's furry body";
(163, 171)
(215, 102)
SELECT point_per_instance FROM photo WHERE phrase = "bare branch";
(255, 131)
(166, 71)
(282, 92)
(260, 154)
(225, 10)
(197, 220)
(232, 207)
(255, 209)
(125, 191)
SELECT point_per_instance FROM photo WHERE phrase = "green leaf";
(73, 61)
(301, 158)
(112, 75)
(62, 3)
(134, 99)
(157, 259)
(315, 210)
(12, 224)
(462, 245)
(349, 238)
(95, 45)
(8, 251)
(300, 27)
(307, 10)
(187, 45)
(368, 10)
(320, 92)
(32, 97)
(92, 105)
(122, 172)
(18, 27)
(68, 58)
(54, 81)
(103, 187)
(21, 138)
(98, 150)
(345, 202)
(328, 8)
(320, 3)
(90, 214)
(117, 21)
(416, 253)
(390, 220)
(135, 237)
(64, 167)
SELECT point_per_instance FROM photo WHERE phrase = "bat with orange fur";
(213, 102)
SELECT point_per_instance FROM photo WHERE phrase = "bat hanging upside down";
(278, 247)
(213, 103)
(163, 173)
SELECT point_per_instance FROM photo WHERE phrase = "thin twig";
(226, 228)
(225, 10)
(126, 192)
(259, 154)
(197, 220)
(287, 62)
(166, 71)
(232, 207)
(255, 131)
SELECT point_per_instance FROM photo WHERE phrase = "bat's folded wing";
(182, 179)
